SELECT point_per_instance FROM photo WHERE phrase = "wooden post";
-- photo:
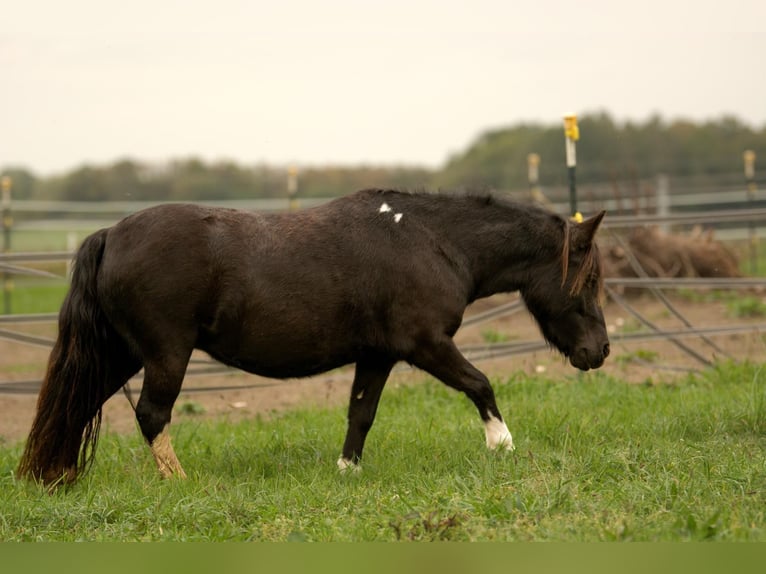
(663, 199)
(533, 176)
(749, 159)
(5, 204)
(292, 188)
(572, 134)
(533, 171)
(71, 247)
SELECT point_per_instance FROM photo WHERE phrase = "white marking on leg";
(360, 394)
(344, 465)
(397, 217)
(498, 435)
(384, 208)
(165, 456)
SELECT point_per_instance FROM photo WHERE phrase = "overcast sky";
(342, 82)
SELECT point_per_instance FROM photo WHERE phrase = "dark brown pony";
(373, 278)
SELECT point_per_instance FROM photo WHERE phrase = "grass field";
(58, 237)
(596, 459)
(37, 295)
(33, 294)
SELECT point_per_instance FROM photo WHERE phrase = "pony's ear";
(583, 233)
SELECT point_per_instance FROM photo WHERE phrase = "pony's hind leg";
(369, 379)
(162, 383)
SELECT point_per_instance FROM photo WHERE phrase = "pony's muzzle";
(585, 358)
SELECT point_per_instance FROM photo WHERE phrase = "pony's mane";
(478, 197)
(481, 196)
(589, 268)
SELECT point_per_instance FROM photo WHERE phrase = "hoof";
(345, 465)
(506, 443)
(498, 435)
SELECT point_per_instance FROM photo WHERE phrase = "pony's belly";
(290, 370)
(281, 363)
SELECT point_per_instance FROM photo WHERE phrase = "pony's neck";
(496, 246)
(505, 246)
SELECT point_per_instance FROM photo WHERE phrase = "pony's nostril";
(606, 350)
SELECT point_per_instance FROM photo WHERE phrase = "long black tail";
(62, 443)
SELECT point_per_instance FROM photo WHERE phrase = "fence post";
(292, 188)
(663, 199)
(572, 134)
(533, 176)
(5, 202)
(749, 158)
(71, 247)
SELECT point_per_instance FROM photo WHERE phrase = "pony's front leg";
(443, 360)
(498, 435)
(369, 379)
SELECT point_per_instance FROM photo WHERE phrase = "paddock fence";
(733, 212)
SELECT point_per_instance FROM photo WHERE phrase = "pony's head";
(565, 297)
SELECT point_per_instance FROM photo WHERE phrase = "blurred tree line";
(193, 179)
(607, 151)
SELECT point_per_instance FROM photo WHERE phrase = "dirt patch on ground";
(20, 362)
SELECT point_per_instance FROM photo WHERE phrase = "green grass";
(707, 296)
(746, 307)
(596, 459)
(742, 249)
(37, 295)
(737, 304)
(26, 239)
(639, 355)
(494, 336)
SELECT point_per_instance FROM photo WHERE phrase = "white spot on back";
(385, 208)
(498, 435)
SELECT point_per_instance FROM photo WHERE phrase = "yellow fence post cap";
(570, 127)
(749, 157)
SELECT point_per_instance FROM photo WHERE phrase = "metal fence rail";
(10, 264)
(691, 217)
(488, 315)
(614, 221)
(472, 352)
